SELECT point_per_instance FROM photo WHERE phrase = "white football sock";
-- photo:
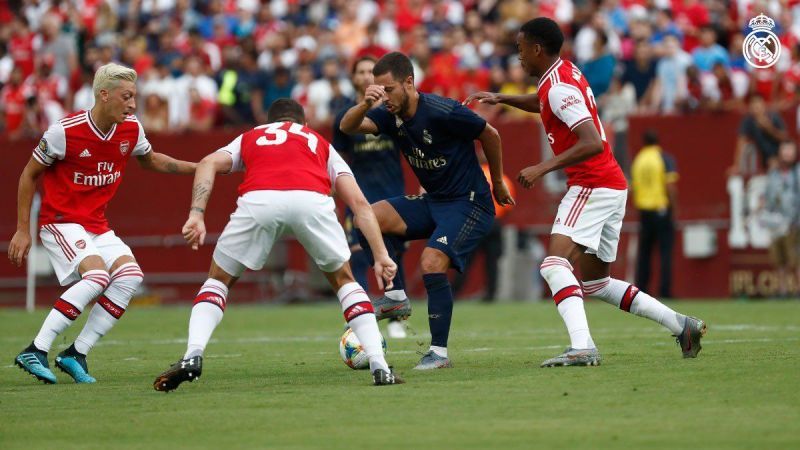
(69, 307)
(207, 312)
(441, 351)
(110, 306)
(568, 297)
(360, 315)
(628, 297)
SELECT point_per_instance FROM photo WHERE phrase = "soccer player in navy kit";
(436, 137)
(375, 161)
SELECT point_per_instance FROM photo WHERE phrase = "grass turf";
(273, 379)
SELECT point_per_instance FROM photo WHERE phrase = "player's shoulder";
(438, 104)
(73, 120)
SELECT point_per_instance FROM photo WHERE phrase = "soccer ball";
(352, 352)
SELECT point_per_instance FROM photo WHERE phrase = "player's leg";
(207, 311)
(627, 297)
(395, 326)
(400, 218)
(245, 243)
(576, 228)
(126, 277)
(316, 227)
(460, 227)
(73, 256)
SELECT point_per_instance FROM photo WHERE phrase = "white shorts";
(592, 217)
(262, 217)
(68, 244)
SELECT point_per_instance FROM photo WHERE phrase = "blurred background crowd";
(207, 63)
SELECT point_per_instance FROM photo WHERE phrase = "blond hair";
(108, 77)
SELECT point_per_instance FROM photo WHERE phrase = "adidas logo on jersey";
(442, 240)
(85, 153)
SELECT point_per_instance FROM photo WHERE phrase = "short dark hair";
(395, 63)
(284, 109)
(650, 137)
(360, 60)
(545, 32)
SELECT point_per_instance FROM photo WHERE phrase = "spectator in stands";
(709, 52)
(600, 68)
(517, 84)
(12, 104)
(269, 89)
(321, 92)
(670, 86)
(654, 177)
(781, 213)
(615, 107)
(760, 134)
(640, 73)
(193, 78)
(664, 26)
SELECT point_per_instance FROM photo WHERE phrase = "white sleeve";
(566, 102)
(336, 165)
(234, 150)
(142, 144)
(52, 146)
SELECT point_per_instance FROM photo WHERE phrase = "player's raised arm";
(355, 120)
(492, 148)
(194, 230)
(525, 102)
(21, 242)
(159, 162)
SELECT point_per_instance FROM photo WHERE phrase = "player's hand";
(385, 270)
(489, 98)
(502, 195)
(374, 94)
(530, 175)
(19, 247)
(194, 231)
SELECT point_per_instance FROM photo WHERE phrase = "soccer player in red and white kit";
(289, 171)
(81, 159)
(587, 225)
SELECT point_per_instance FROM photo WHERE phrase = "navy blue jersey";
(438, 144)
(374, 160)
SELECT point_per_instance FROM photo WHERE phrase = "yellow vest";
(650, 176)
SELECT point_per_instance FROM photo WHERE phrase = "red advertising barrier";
(150, 208)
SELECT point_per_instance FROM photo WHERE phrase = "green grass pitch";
(273, 379)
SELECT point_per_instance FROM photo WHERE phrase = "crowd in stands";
(207, 63)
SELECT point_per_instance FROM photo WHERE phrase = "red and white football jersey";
(566, 101)
(85, 168)
(285, 156)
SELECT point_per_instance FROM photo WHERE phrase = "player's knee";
(434, 261)
(552, 265)
(127, 278)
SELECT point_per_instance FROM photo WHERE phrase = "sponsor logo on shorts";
(81, 244)
(442, 240)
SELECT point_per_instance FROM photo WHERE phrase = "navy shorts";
(455, 227)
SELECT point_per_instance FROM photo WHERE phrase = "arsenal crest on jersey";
(124, 146)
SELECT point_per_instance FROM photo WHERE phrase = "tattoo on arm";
(201, 191)
(195, 208)
(172, 167)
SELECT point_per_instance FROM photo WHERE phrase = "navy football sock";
(440, 307)
(360, 265)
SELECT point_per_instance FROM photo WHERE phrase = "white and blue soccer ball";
(352, 352)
